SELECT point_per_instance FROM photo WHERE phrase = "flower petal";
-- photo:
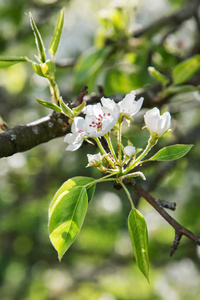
(74, 140)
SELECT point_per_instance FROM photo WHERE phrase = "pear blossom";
(76, 138)
(129, 150)
(129, 106)
(100, 119)
(156, 123)
(94, 159)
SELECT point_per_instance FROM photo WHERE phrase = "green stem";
(151, 142)
(108, 139)
(119, 138)
(105, 178)
(55, 93)
(128, 194)
(103, 151)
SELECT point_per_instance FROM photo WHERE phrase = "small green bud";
(48, 68)
(37, 69)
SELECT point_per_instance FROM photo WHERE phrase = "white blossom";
(129, 150)
(94, 159)
(156, 123)
(129, 106)
(100, 119)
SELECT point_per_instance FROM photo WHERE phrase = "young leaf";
(66, 110)
(66, 218)
(186, 69)
(38, 40)
(57, 34)
(37, 69)
(171, 152)
(48, 68)
(7, 61)
(157, 75)
(49, 105)
(139, 238)
(71, 183)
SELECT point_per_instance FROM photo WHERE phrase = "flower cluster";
(101, 118)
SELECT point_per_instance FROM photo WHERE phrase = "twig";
(80, 97)
(179, 229)
(166, 204)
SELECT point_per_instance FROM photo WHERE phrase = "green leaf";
(117, 81)
(57, 34)
(171, 152)
(7, 61)
(89, 64)
(48, 68)
(74, 182)
(157, 75)
(139, 238)
(78, 109)
(66, 110)
(186, 69)
(37, 69)
(38, 40)
(49, 105)
(67, 217)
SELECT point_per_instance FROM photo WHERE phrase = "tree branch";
(172, 20)
(179, 229)
(24, 137)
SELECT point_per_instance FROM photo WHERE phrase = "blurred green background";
(100, 265)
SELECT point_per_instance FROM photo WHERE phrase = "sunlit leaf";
(66, 218)
(57, 34)
(171, 152)
(38, 40)
(139, 238)
(186, 69)
(37, 69)
(7, 61)
(48, 68)
(74, 182)
(48, 105)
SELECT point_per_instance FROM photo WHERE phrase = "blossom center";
(99, 121)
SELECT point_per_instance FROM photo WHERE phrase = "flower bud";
(94, 160)
(129, 150)
(157, 124)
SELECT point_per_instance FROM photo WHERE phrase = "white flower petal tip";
(129, 151)
(156, 123)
